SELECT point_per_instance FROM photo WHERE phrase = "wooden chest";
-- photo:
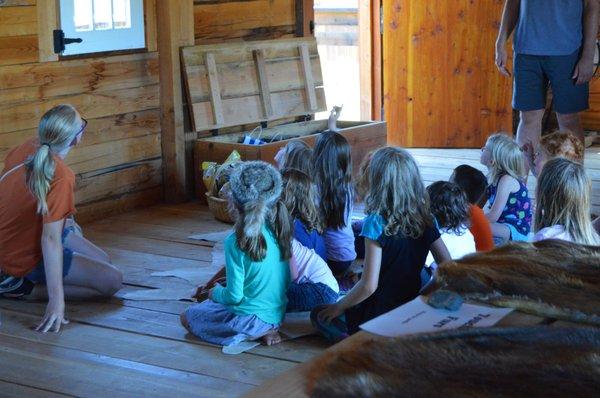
(261, 83)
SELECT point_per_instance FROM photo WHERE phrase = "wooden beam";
(215, 89)
(47, 15)
(263, 82)
(365, 70)
(305, 17)
(376, 60)
(308, 77)
(150, 24)
(175, 18)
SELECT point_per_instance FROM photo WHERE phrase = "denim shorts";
(38, 275)
(534, 72)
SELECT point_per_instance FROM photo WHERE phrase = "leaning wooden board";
(293, 383)
(250, 83)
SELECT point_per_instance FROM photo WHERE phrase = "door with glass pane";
(103, 25)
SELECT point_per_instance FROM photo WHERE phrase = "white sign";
(419, 317)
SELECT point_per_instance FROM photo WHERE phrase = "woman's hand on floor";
(54, 317)
(330, 312)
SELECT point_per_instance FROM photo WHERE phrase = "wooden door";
(440, 85)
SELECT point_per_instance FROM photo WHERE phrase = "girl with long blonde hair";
(399, 232)
(563, 203)
(509, 209)
(42, 252)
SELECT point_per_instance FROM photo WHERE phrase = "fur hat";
(255, 188)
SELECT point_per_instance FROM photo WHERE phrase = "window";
(103, 25)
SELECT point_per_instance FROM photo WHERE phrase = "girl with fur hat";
(509, 209)
(399, 231)
(252, 304)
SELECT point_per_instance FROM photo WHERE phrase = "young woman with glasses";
(42, 252)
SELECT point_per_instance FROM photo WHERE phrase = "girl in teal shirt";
(252, 304)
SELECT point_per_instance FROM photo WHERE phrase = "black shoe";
(13, 287)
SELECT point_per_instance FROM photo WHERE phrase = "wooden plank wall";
(591, 118)
(441, 87)
(118, 164)
(224, 20)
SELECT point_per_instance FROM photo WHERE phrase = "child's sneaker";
(13, 287)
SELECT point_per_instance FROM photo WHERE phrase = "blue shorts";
(38, 275)
(532, 74)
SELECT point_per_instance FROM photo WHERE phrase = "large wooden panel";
(217, 21)
(440, 85)
(591, 118)
(237, 83)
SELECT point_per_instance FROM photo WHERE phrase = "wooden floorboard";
(81, 373)
(14, 389)
(134, 348)
(167, 353)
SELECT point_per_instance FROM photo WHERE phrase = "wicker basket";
(219, 208)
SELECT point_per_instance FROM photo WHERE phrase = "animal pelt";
(550, 278)
(486, 362)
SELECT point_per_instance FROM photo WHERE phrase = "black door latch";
(60, 41)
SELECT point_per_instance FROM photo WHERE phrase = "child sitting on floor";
(295, 155)
(298, 195)
(474, 184)
(312, 280)
(252, 305)
(562, 144)
(333, 173)
(450, 209)
(399, 231)
(509, 210)
(563, 203)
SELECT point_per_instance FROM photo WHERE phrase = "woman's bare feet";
(271, 338)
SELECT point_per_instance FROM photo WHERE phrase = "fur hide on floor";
(496, 362)
(550, 278)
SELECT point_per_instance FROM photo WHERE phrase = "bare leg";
(184, 321)
(500, 231)
(81, 245)
(570, 122)
(88, 278)
(530, 129)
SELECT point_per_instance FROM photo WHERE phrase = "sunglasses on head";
(81, 129)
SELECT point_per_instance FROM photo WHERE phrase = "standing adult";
(554, 42)
(42, 252)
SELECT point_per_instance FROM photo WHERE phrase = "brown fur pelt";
(550, 278)
(495, 362)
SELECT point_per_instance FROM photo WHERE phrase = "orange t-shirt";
(481, 230)
(20, 225)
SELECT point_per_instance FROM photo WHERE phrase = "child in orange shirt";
(473, 182)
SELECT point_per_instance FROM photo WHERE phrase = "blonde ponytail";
(57, 129)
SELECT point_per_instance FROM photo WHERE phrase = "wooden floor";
(135, 348)
(437, 164)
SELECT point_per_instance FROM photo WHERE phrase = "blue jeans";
(38, 275)
(306, 296)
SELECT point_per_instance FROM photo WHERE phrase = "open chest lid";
(232, 84)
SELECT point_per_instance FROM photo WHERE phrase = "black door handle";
(60, 41)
